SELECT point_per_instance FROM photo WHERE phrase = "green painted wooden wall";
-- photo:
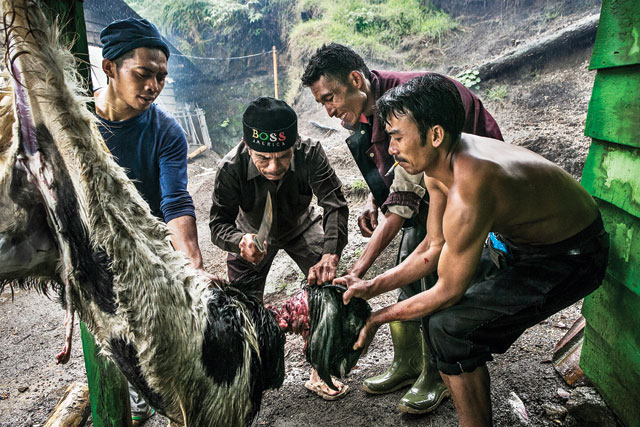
(611, 349)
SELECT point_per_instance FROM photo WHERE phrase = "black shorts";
(532, 283)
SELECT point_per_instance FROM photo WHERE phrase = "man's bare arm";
(465, 227)
(422, 261)
(184, 238)
(382, 236)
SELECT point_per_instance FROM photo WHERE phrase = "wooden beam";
(578, 35)
(196, 152)
(108, 389)
(73, 408)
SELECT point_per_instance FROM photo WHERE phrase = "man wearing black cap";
(272, 159)
(145, 140)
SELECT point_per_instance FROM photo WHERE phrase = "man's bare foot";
(316, 385)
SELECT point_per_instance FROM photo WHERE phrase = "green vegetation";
(359, 185)
(357, 253)
(469, 78)
(372, 27)
(198, 27)
(357, 189)
(498, 92)
(552, 12)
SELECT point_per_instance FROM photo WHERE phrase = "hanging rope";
(269, 52)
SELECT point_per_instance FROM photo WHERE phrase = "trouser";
(139, 407)
(532, 283)
(305, 250)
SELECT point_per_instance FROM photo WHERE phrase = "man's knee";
(447, 336)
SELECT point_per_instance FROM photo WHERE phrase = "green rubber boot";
(427, 392)
(407, 360)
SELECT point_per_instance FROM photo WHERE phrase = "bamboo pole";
(275, 70)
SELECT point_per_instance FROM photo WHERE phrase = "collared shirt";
(240, 192)
(406, 191)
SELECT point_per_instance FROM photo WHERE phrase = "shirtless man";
(554, 245)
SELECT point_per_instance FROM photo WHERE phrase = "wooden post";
(108, 389)
(73, 408)
(275, 70)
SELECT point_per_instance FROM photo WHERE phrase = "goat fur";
(161, 306)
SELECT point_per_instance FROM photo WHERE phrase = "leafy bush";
(199, 26)
(384, 24)
(469, 78)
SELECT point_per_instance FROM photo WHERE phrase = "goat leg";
(64, 356)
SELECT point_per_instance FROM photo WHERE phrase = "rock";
(554, 412)
(322, 127)
(23, 388)
(562, 394)
(587, 406)
(517, 407)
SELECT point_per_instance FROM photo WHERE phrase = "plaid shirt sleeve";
(406, 191)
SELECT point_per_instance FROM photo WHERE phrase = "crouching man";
(548, 248)
(341, 81)
(273, 160)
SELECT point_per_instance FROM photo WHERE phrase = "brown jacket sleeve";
(224, 210)
(327, 187)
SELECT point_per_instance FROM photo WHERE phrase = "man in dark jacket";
(272, 160)
(340, 80)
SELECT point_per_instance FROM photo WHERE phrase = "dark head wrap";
(124, 35)
(269, 125)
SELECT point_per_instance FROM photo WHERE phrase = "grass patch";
(373, 28)
(498, 93)
(358, 189)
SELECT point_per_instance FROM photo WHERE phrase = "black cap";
(124, 35)
(269, 125)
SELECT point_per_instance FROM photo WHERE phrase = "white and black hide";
(71, 222)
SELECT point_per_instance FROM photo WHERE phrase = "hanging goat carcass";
(71, 221)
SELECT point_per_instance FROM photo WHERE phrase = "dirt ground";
(542, 108)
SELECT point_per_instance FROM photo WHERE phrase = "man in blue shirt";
(144, 139)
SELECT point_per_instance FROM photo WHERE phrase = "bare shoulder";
(434, 186)
(474, 177)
